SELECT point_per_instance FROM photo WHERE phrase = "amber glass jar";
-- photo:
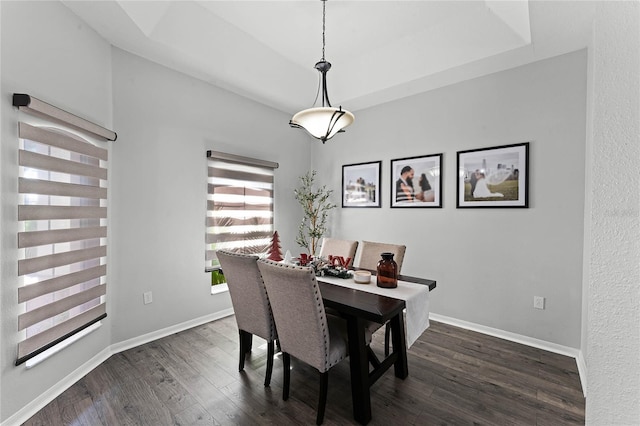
(387, 271)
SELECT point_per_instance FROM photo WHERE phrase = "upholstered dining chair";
(368, 257)
(369, 254)
(337, 247)
(304, 330)
(250, 304)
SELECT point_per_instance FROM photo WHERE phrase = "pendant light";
(322, 122)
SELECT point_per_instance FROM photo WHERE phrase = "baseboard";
(525, 340)
(158, 334)
(53, 392)
(507, 335)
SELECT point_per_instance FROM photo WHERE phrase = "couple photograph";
(493, 177)
(480, 189)
(416, 181)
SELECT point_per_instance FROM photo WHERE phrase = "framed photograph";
(494, 177)
(416, 181)
(361, 185)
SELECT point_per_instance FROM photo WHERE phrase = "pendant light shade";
(322, 122)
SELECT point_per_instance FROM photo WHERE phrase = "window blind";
(62, 214)
(239, 205)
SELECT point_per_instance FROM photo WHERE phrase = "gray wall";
(166, 122)
(489, 263)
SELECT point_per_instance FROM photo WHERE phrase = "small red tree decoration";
(275, 253)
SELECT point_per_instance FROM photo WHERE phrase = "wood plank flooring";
(456, 377)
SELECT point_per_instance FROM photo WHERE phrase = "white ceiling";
(380, 50)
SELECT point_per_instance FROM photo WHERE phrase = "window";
(62, 213)
(239, 206)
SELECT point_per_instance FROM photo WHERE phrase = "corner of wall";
(582, 371)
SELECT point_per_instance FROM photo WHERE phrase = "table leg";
(399, 341)
(359, 364)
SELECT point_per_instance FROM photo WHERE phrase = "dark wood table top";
(369, 306)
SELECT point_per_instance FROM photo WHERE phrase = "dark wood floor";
(456, 376)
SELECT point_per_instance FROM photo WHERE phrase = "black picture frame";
(361, 184)
(503, 174)
(421, 184)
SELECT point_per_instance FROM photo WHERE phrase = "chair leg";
(286, 364)
(322, 401)
(387, 337)
(267, 377)
(243, 350)
(249, 342)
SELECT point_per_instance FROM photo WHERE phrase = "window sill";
(219, 288)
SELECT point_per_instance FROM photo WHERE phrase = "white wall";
(613, 304)
(166, 122)
(489, 263)
(48, 53)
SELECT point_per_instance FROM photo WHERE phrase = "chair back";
(337, 247)
(369, 254)
(298, 310)
(248, 294)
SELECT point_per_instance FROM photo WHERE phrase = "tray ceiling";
(380, 50)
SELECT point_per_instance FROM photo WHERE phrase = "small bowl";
(362, 277)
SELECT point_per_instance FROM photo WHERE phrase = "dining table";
(361, 304)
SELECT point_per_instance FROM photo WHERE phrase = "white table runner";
(416, 297)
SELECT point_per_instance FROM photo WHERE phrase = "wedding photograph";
(493, 177)
(416, 182)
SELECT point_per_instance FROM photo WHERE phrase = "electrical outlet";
(148, 298)
(538, 302)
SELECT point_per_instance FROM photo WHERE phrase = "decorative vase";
(387, 271)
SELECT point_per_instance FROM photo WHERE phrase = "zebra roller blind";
(239, 205)
(62, 213)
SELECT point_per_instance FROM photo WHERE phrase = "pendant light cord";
(320, 87)
(324, 6)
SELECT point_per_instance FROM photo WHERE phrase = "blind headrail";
(217, 155)
(39, 108)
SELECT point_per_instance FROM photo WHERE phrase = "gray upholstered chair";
(337, 247)
(304, 330)
(250, 304)
(368, 257)
(369, 254)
